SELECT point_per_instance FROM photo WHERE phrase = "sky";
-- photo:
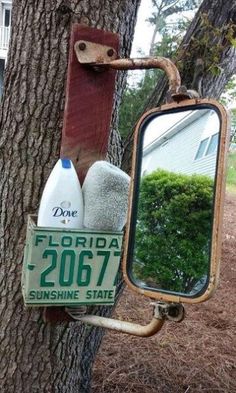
(142, 39)
(143, 30)
(143, 36)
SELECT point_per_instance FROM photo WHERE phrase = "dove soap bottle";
(61, 204)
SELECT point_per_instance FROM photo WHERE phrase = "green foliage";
(233, 126)
(231, 172)
(173, 233)
(162, 9)
(171, 34)
(228, 98)
(171, 39)
(134, 98)
(133, 101)
(205, 44)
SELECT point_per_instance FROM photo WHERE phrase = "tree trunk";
(39, 357)
(206, 58)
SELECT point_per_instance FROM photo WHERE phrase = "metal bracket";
(172, 311)
(91, 53)
(102, 57)
(162, 311)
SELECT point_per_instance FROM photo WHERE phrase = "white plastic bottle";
(61, 204)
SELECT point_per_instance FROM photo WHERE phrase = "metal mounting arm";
(148, 63)
(162, 311)
(102, 57)
(124, 327)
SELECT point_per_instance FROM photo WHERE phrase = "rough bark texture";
(34, 356)
(202, 51)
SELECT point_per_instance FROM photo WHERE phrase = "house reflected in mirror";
(182, 142)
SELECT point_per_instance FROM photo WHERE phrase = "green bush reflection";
(173, 231)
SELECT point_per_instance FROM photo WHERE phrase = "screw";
(110, 52)
(82, 46)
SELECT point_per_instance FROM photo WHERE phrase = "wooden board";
(89, 102)
(87, 116)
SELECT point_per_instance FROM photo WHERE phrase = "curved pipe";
(124, 327)
(148, 63)
(102, 57)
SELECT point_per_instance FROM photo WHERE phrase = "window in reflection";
(212, 147)
(202, 148)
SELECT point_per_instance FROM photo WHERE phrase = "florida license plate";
(70, 267)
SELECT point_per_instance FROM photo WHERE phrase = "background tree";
(233, 126)
(228, 98)
(206, 58)
(169, 24)
(36, 356)
(162, 9)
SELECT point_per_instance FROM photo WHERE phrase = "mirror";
(171, 234)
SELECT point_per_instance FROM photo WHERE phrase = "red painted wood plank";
(89, 102)
(87, 116)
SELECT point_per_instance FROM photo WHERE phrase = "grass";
(231, 173)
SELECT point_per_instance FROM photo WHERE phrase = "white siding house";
(184, 142)
(5, 27)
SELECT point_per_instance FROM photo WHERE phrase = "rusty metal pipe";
(161, 312)
(102, 57)
(149, 63)
(124, 327)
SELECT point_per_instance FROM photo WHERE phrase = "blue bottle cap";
(66, 163)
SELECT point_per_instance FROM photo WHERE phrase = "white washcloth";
(105, 191)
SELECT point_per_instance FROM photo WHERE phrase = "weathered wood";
(87, 116)
(89, 102)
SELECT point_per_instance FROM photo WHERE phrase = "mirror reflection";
(172, 241)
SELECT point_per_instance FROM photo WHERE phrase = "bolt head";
(110, 52)
(82, 46)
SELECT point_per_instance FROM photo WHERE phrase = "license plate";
(70, 267)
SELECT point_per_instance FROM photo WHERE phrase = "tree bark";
(39, 357)
(206, 58)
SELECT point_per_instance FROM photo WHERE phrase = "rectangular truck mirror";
(175, 214)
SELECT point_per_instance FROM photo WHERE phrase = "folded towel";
(105, 191)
